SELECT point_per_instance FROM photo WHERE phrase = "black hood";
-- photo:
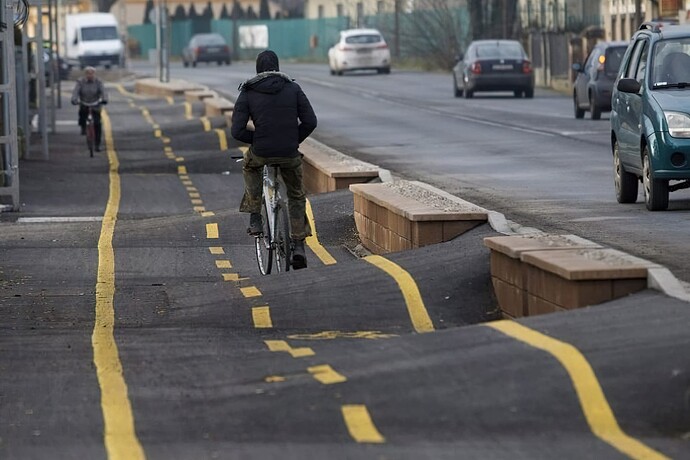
(267, 60)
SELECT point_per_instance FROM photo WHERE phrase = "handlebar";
(90, 104)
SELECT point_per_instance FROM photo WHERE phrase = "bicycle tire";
(263, 245)
(283, 245)
(90, 137)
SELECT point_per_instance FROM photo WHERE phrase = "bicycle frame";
(90, 126)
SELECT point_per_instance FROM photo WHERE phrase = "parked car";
(650, 116)
(61, 69)
(594, 82)
(493, 65)
(206, 48)
(359, 49)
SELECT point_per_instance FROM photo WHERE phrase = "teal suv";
(650, 115)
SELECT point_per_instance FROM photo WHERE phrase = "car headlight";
(678, 124)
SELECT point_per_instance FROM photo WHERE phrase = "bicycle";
(90, 126)
(274, 241)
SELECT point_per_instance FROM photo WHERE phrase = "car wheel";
(626, 183)
(529, 93)
(517, 93)
(386, 70)
(185, 63)
(594, 109)
(220, 62)
(579, 113)
(456, 91)
(227, 62)
(193, 63)
(655, 190)
(468, 94)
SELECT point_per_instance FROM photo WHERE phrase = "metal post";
(52, 64)
(164, 64)
(40, 82)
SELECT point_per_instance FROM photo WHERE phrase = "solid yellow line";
(222, 139)
(597, 411)
(413, 299)
(120, 437)
(207, 124)
(188, 110)
(313, 240)
(262, 317)
(216, 250)
(360, 425)
(326, 374)
(212, 231)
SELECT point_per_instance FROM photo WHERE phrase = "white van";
(92, 39)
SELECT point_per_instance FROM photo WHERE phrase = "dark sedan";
(206, 48)
(494, 65)
(594, 81)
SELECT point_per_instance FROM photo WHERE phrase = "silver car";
(359, 49)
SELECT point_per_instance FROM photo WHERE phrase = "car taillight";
(526, 67)
(197, 50)
(476, 68)
(382, 47)
(226, 48)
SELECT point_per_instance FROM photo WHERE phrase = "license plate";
(502, 67)
(364, 50)
(212, 50)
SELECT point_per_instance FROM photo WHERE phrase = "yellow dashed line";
(157, 133)
(413, 299)
(185, 177)
(120, 436)
(216, 250)
(191, 189)
(326, 375)
(274, 378)
(181, 170)
(262, 317)
(166, 140)
(360, 425)
(282, 345)
(212, 231)
(186, 182)
(194, 195)
(167, 149)
(313, 240)
(179, 159)
(250, 291)
(200, 209)
(156, 126)
(223, 264)
(188, 110)
(170, 99)
(232, 277)
(597, 411)
(207, 213)
(222, 139)
(197, 201)
(207, 124)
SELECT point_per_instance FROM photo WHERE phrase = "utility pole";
(638, 14)
(163, 39)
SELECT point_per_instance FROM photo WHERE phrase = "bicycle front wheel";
(264, 246)
(283, 246)
(90, 137)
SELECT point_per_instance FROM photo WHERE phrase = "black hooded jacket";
(280, 111)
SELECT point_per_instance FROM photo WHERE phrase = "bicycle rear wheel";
(90, 137)
(283, 246)
(264, 248)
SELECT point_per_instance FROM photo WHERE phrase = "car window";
(671, 61)
(207, 40)
(363, 39)
(99, 33)
(502, 50)
(642, 63)
(614, 57)
(593, 62)
(631, 67)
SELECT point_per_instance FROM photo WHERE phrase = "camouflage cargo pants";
(291, 172)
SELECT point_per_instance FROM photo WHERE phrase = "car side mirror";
(459, 57)
(577, 67)
(629, 85)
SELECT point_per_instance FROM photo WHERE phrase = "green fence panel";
(180, 33)
(145, 36)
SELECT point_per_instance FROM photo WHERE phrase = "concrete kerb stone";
(154, 87)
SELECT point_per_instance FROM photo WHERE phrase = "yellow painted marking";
(197, 201)
(250, 291)
(597, 411)
(171, 156)
(274, 378)
(184, 177)
(188, 110)
(244, 149)
(282, 345)
(186, 182)
(207, 213)
(232, 277)
(413, 299)
(166, 140)
(212, 231)
(313, 240)
(157, 133)
(156, 126)
(216, 250)
(222, 139)
(207, 124)
(145, 112)
(181, 170)
(326, 375)
(170, 99)
(360, 425)
(191, 189)
(167, 148)
(332, 335)
(262, 317)
(179, 159)
(199, 208)
(194, 195)
(120, 436)
(224, 263)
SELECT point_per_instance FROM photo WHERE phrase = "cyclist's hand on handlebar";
(104, 102)
(75, 102)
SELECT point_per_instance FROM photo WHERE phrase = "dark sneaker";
(256, 224)
(299, 257)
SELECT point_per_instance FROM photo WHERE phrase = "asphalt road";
(527, 158)
(142, 328)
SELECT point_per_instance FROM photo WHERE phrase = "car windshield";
(671, 63)
(209, 40)
(614, 57)
(363, 39)
(99, 33)
(503, 50)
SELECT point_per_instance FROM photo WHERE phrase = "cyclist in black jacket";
(282, 118)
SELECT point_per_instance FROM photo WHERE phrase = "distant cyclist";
(283, 118)
(88, 90)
